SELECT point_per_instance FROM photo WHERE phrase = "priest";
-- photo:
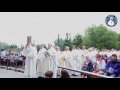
(59, 61)
(53, 60)
(41, 58)
(75, 60)
(67, 59)
(30, 63)
(84, 52)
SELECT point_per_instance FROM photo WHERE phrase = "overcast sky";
(44, 27)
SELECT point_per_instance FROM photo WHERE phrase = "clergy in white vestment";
(30, 52)
(53, 60)
(79, 56)
(45, 63)
(66, 59)
(41, 57)
(84, 52)
(58, 53)
(108, 53)
(90, 54)
(93, 54)
(75, 60)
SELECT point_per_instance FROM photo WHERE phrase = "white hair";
(87, 56)
(67, 47)
(50, 44)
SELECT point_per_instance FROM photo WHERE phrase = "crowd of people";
(105, 62)
(11, 56)
(44, 62)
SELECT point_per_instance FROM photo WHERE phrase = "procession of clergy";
(38, 63)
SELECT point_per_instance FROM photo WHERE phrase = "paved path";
(12, 74)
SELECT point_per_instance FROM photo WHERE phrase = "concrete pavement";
(12, 74)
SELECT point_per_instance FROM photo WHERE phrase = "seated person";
(6, 59)
(112, 68)
(12, 57)
(21, 63)
(19, 57)
(23, 57)
(64, 74)
(109, 58)
(49, 74)
(105, 58)
(87, 66)
(99, 65)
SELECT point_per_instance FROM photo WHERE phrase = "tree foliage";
(68, 41)
(95, 36)
(61, 43)
(77, 40)
(100, 37)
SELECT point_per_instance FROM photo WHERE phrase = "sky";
(44, 27)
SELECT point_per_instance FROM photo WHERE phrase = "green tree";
(61, 43)
(118, 43)
(3, 45)
(68, 41)
(77, 40)
(119, 37)
(101, 37)
(86, 42)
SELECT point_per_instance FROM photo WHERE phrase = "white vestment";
(40, 65)
(58, 53)
(84, 53)
(30, 64)
(53, 61)
(117, 53)
(108, 54)
(79, 53)
(75, 61)
(92, 55)
(45, 65)
(68, 60)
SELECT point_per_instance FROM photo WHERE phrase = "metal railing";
(71, 69)
(85, 72)
(12, 68)
(16, 68)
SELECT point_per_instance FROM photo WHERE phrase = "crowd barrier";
(16, 69)
(85, 72)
